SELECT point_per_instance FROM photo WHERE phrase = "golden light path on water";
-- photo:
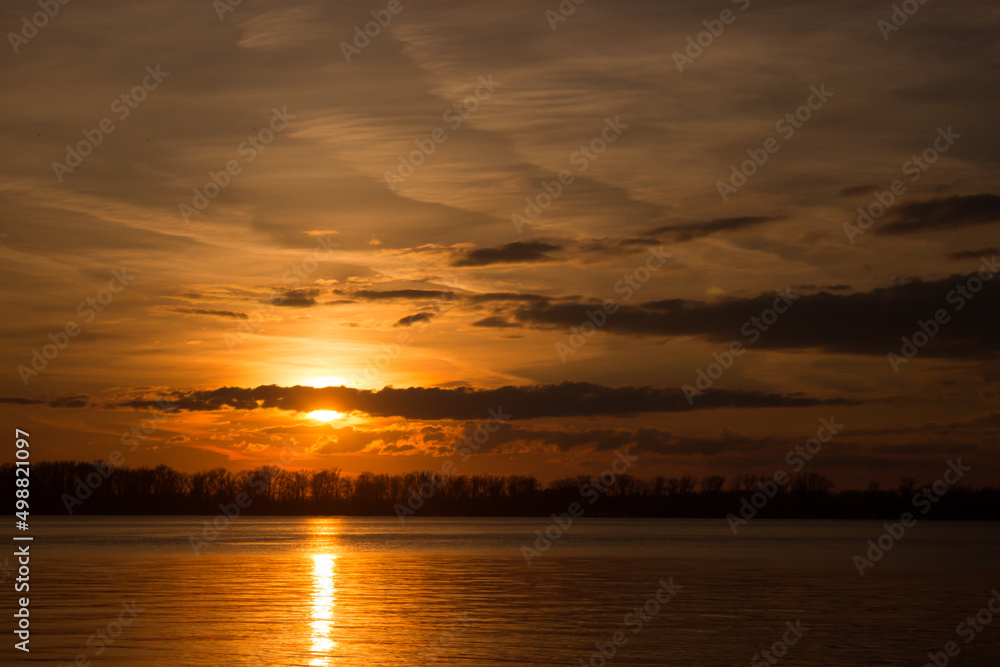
(324, 594)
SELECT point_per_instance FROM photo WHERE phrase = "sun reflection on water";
(324, 598)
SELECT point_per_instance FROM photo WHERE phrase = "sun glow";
(324, 415)
(326, 381)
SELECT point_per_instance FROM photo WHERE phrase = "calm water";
(361, 591)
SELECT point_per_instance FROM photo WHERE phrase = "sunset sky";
(323, 261)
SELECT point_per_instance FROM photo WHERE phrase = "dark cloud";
(568, 399)
(225, 314)
(410, 320)
(494, 323)
(418, 295)
(697, 230)
(539, 251)
(505, 296)
(399, 295)
(643, 440)
(975, 254)
(613, 245)
(860, 323)
(79, 401)
(945, 213)
(855, 190)
(518, 252)
(829, 288)
(296, 298)
(665, 442)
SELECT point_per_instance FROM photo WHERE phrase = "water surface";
(454, 591)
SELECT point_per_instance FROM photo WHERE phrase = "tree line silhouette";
(70, 487)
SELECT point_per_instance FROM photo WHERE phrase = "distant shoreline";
(64, 488)
(597, 517)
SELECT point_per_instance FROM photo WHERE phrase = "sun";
(324, 415)
(326, 381)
